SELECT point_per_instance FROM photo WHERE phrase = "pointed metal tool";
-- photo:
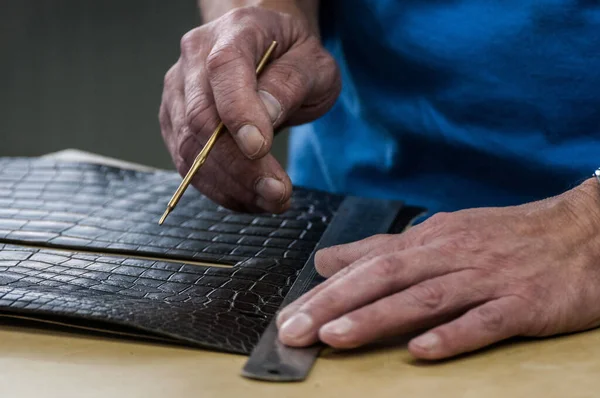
(201, 158)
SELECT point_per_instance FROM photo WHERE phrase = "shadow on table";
(399, 344)
(56, 340)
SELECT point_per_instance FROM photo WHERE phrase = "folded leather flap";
(94, 207)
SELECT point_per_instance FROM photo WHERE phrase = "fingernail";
(270, 189)
(338, 327)
(297, 326)
(251, 140)
(428, 342)
(273, 106)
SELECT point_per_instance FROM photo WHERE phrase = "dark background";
(88, 74)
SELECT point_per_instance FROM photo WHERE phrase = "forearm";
(308, 9)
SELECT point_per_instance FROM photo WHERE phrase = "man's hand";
(471, 278)
(215, 79)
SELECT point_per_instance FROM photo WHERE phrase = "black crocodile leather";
(100, 207)
(220, 308)
(73, 209)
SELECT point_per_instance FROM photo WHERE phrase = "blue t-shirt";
(453, 104)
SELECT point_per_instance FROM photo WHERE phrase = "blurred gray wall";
(88, 74)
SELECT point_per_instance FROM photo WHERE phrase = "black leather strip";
(356, 218)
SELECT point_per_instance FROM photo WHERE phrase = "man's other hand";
(469, 278)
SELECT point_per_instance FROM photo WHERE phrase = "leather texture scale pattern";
(80, 243)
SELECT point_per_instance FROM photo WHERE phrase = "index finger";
(375, 279)
(232, 76)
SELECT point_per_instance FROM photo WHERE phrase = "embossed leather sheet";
(80, 243)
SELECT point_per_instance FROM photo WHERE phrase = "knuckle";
(324, 300)
(377, 238)
(291, 81)
(165, 122)
(435, 226)
(427, 295)
(233, 108)
(385, 267)
(334, 80)
(331, 259)
(186, 146)
(463, 241)
(247, 23)
(198, 113)
(242, 14)
(252, 16)
(336, 85)
(221, 57)
(313, 43)
(329, 64)
(380, 313)
(368, 242)
(324, 61)
(249, 28)
(189, 42)
(324, 258)
(491, 318)
(500, 258)
(170, 76)
(439, 219)
(162, 113)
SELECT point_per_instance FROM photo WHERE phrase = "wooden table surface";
(35, 362)
(58, 364)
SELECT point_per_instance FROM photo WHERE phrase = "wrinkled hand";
(215, 78)
(469, 278)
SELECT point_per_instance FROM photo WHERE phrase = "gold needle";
(201, 158)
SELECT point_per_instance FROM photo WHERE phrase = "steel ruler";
(356, 218)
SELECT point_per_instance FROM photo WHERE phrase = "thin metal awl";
(201, 158)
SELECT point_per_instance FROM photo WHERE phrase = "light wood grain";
(58, 364)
